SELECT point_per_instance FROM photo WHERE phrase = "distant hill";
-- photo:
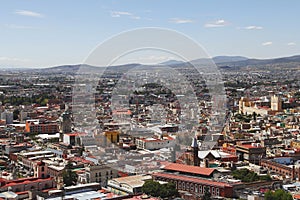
(284, 61)
(171, 62)
(223, 62)
(223, 59)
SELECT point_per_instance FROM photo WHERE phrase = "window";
(200, 188)
(192, 187)
(187, 186)
(96, 175)
(217, 192)
(196, 188)
(183, 186)
(213, 190)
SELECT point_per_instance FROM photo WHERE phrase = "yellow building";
(112, 136)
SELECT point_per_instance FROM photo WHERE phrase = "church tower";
(276, 103)
(65, 123)
(195, 149)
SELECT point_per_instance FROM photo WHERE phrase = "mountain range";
(223, 62)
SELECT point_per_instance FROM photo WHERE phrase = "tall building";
(7, 116)
(65, 123)
(195, 149)
(276, 103)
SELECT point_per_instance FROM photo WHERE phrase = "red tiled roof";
(76, 134)
(191, 179)
(189, 169)
(20, 193)
(296, 196)
(24, 181)
(249, 146)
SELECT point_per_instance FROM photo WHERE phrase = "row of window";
(197, 188)
(107, 173)
(194, 187)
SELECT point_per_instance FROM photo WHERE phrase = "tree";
(155, 189)
(168, 190)
(278, 195)
(246, 175)
(207, 194)
(152, 188)
(16, 114)
(69, 177)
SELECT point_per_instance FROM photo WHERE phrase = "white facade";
(155, 143)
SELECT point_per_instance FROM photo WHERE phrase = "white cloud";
(28, 13)
(291, 44)
(123, 13)
(15, 26)
(120, 13)
(216, 24)
(267, 43)
(253, 27)
(180, 21)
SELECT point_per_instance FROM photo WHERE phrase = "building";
(128, 185)
(155, 143)
(194, 180)
(248, 107)
(276, 103)
(82, 191)
(28, 159)
(252, 152)
(7, 116)
(281, 169)
(100, 174)
(111, 137)
(34, 126)
(195, 149)
(73, 138)
(65, 123)
(25, 184)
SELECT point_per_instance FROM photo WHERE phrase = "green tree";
(246, 175)
(69, 177)
(168, 190)
(155, 189)
(16, 114)
(278, 195)
(152, 188)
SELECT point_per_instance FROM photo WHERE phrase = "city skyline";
(50, 33)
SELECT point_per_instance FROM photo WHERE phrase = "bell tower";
(276, 103)
(195, 149)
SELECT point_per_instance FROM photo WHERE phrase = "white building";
(155, 143)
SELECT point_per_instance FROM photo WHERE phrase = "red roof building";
(202, 171)
(26, 184)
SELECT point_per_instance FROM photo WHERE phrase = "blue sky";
(54, 32)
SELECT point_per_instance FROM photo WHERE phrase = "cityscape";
(151, 112)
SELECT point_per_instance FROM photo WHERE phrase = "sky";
(48, 33)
